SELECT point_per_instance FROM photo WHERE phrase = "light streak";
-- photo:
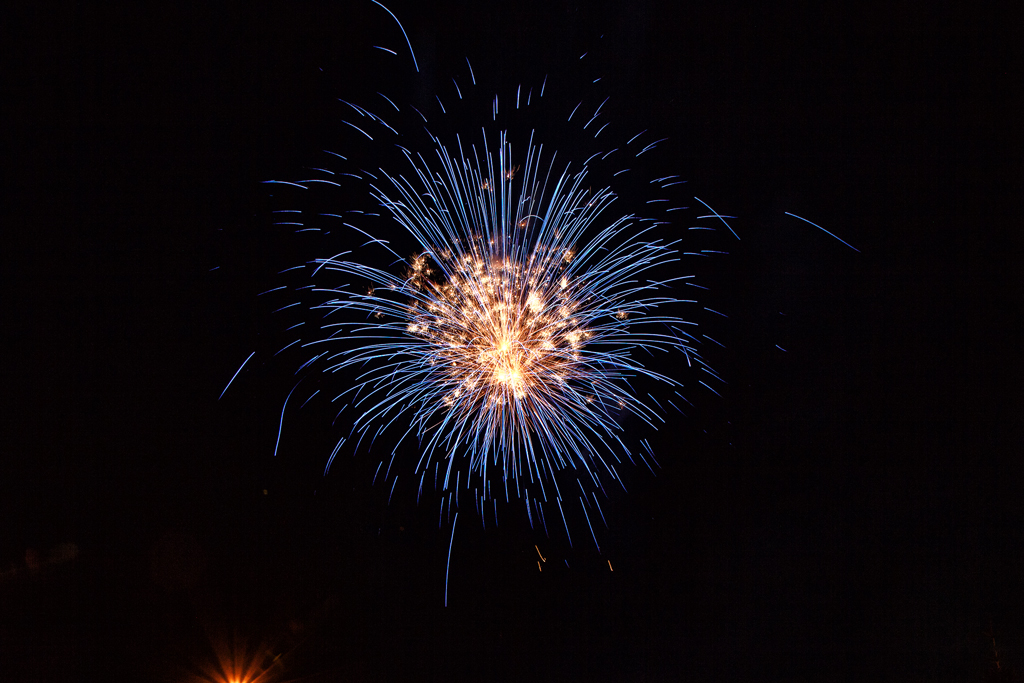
(448, 565)
(823, 230)
(235, 375)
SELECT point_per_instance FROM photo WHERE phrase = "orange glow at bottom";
(237, 661)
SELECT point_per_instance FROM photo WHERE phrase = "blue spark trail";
(449, 564)
(823, 230)
(403, 33)
(235, 375)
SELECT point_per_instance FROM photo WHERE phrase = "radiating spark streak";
(709, 388)
(386, 50)
(566, 524)
(333, 453)
(596, 113)
(598, 506)
(403, 33)
(326, 182)
(371, 115)
(543, 521)
(449, 564)
(284, 182)
(235, 375)
(719, 217)
(280, 424)
(650, 146)
(713, 340)
(823, 230)
(592, 534)
(357, 128)
(288, 346)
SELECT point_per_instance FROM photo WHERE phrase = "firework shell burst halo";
(511, 341)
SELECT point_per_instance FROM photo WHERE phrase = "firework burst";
(516, 337)
(510, 338)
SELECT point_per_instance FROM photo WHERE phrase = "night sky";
(849, 509)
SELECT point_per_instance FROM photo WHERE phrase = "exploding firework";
(510, 341)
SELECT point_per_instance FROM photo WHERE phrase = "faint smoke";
(177, 561)
(62, 552)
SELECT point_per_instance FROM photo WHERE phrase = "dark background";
(848, 510)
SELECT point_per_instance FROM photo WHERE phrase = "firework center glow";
(503, 328)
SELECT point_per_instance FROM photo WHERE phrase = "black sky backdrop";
(850, 509)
